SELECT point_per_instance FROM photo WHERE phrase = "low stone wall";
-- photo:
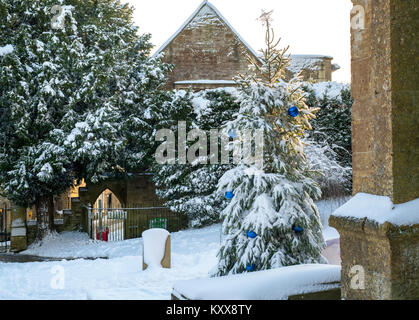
(334, 294)
(297, 282)
(382, 260)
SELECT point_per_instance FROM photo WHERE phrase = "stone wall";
(206, 49)
(5, 214)
(137, 189)
(404, 24)
(387, 254)
(4, 202)
(313, 68)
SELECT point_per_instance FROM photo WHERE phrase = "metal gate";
(116, 224)
(4, 229)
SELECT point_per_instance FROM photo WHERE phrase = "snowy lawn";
(120, 275)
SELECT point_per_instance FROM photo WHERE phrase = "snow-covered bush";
(333, 120)
(334, 177)
(331, 135)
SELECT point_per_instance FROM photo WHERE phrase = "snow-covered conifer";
(76, 84)
(271, 220)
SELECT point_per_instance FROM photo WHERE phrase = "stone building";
(208, 53)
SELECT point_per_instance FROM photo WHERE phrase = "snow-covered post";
(18, 240)
(156, 248)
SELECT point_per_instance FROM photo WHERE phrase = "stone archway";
(107, 200)
(137, 190)
(92, 192)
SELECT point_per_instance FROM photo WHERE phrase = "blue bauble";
(250, 267)
(297, 229)
(232, 134)
(293, 111)
(229, 194)
(251, 234)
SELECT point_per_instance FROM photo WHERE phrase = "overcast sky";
(308, 26)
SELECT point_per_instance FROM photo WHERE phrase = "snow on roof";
(380, 209)
(299, 62)
(207, 8)
(329, 90)
(8, 48)
(273, 284)
(310, 56)
(203, 81)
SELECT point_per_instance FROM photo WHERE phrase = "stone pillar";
(18, 240)
(385, 135)
(385, 90)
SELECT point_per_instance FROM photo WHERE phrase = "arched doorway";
(107, 217)
(107, 200)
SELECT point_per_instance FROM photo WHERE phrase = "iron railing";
(116, 224)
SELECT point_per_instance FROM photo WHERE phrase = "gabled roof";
(205, 3)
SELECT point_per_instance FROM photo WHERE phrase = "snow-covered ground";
(119, 276)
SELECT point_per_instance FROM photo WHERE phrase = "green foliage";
(74, 101)
(333, 122)
(190, 188)
(332, 128)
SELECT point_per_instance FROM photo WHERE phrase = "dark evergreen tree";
(190, 188)
(332, 134)
(333, 121)
(76, 86)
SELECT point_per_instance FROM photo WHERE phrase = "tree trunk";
(45, 216)
(51, 213)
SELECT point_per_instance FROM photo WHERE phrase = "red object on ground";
(104, 235)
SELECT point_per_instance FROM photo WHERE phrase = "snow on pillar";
(379, 227)
(156, 248)
(18, 240)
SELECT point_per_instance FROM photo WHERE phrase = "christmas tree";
(271, 220)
